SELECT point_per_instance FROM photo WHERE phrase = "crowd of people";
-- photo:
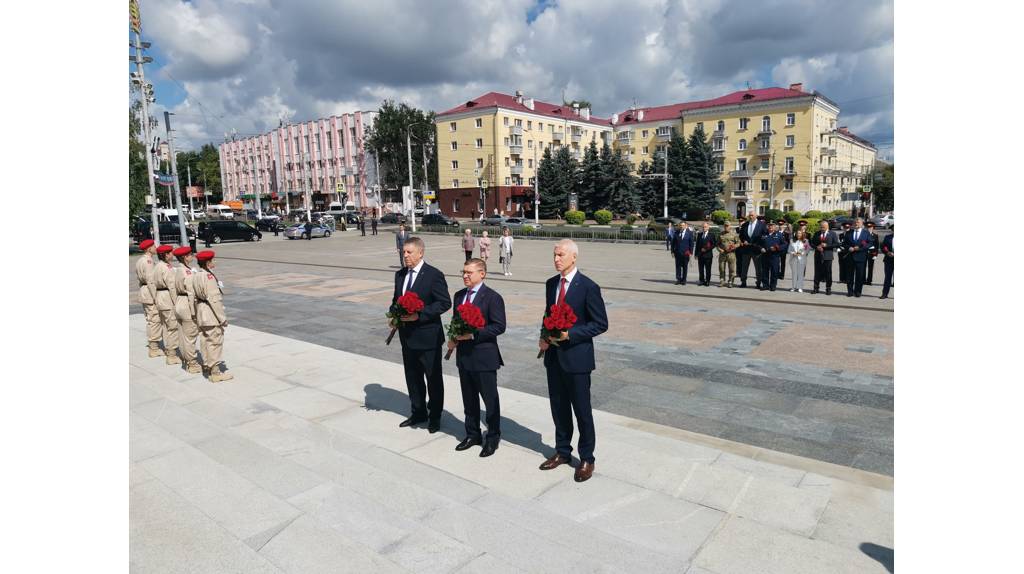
(768, 245)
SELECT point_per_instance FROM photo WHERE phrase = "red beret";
(164, 249)
(145, 244)
(183, 250)
(205, 255)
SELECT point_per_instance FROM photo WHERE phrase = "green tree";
(387, 139)
(649, 189)
(590, 188)
(882, 188)
(138, 184)
(621, 185)
(703, 188)
(677, 172)
(581, 103)
(556, 179)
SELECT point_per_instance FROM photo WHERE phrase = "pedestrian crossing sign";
(341, 188)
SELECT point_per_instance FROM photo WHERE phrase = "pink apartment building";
(307, 159)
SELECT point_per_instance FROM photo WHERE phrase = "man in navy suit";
(856, 245)
(705, 245)
(890, 255)
(570, 362)
(479, 358)
(824, 243)
(751, 233)
(773, 248)
(421, 334)
(682, 248)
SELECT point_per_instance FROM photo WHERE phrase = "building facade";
(774, 147)
(303, 161)
(489, 149)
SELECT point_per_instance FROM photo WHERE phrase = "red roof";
(851, 135)
(741, 97)
(496, 99)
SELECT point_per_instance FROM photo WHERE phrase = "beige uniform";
(185, 311)
(166, 293)
(727, 245)
(210, 316)
(144, 271)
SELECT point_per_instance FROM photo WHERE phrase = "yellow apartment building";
(489, 148)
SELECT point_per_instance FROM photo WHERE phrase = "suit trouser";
(682, 265)
(569, 392)
(478, 385)
(420, 365)
(855, 276)
(887, 282)
(704, 266)
(212, 345)
(782, 268)
(726, 260)
(374, 229)
(154, 327)
(746, 256)
(844, 267)
(401, 260)
(770, 279)
(822, 272)
(797, 271)
(871, 271)
(171, 336)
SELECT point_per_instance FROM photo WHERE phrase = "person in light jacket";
(468, 243)
(485, 246)
(798, 249)
(505, 249)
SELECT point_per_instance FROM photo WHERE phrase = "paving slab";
(278, 475)
(308, 403)
(177, 420)
(307, 546)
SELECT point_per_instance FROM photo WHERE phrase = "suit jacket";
(482, 353)
(753, 237)
(831, 243)
(683, 242)
(776, 240)
(400, 238)
(887, 247)
(576, 355)
(425, 332)
(706, 240)
(862, 252)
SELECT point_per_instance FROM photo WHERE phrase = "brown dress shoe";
(584, 471)
(553, 462)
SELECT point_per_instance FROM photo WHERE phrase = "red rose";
(559, 317)
(467, 320)
(686, 254)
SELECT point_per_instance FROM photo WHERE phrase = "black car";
(836, 224)
(438, 219)
(393, 218)
(349, 217)
(217, 231)
(270, 224)
(169, 232)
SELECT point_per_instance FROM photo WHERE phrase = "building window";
(529, 163)
(644, 134)
(505, 120)
(455, 205)
(540, 126)
(741, 164)
(741, 185)
(329, 143)
(764, 164)
(764, 185)
(664, 130)
(744, 122)
(787, 206)
(645, 150)
(455, 183)
(762, 207)
(506, 161)
(788, 185)
(766, 123)
(529, 144)
(455, 146)
(790, 141)
(508, 203)
(743, 144)
(519, 123)
(451, 127)
(790, 119)
(455, 164)
(720, 167)
(506, 141)
(508, 181)
(479, 163)
(479, 122)
(533, 181)
(700, 126)
(789, 165)
(479, 143)
(721, 125)
(529, 124)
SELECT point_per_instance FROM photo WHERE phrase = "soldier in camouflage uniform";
(728, 242)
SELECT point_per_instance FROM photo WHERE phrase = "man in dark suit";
(570, 362)
(421, 335)
(824, 243)
(751, 233)
(844, 255)
(872, 252)
(857, 245)
(479, 358)
(788, 236)
(773, 248)
(888, 252)
(400, 237)
(682, 248)
(373, 223)
(706, 242)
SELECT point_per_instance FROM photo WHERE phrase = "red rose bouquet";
(467, 320)
(408, 304)
(686, 253)
(557, 319)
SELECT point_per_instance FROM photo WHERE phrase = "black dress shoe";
(884, 297)
(434, 426)
(856, 294)
(815, 292)
(488, 450)
(849, 294)
(828, 292)
(411, 421)
(468, 442)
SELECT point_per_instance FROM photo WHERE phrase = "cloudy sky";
(223, 65)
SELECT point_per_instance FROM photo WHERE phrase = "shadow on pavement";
(379, 398)
(886, 556)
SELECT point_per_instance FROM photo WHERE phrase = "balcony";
(718, 134)
(576, 154)
(576, 138)
(830, 151)
(718, 152)
(789, 173)
(741, 174)
(664, 136)
(515, 130)
(765, 132)
(558, 136)
(515, 149)
(516, 169)
(739, 193)
(764, 150)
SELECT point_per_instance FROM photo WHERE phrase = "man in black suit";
(479, 358)
(844, 255)
(857, 245)
(888, 251)
(824, 243)
(570, 362)
(750, 248)
(705, 253)
(421, 335)
(682, 248)
(373, 223)
(872, 252)
(788, 236)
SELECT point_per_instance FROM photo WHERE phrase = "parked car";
(498, 220)
(299, 231)
(393, 218)
(270, 224)
(520, 222)
(666, 220)
(836, 223)
(438, 219)
(883, 221)
(219, 212)
(169, 232)
(349, 217)
(218, 231)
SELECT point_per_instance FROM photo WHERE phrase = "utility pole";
(191, 205)
(376, 187)
(536, 188)
(408, 151)
(425, 180)
(176, 204)
(665, 176)
(146, 91)
(258, 191)
(771, 188)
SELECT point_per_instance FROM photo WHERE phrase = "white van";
(336, 208)
(219, 212)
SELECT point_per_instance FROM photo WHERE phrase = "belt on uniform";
(162, 289)
(182, 294)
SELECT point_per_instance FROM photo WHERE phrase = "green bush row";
(574, 217)
(602, 216)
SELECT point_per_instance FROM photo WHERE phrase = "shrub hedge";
(720, 216)
(574, 217)
(603, 216)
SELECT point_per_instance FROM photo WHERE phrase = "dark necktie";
(469, 296)
(408, 284)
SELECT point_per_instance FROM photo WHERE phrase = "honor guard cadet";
(210, 316)
(144, 270)
(185, 308)
(166, 293)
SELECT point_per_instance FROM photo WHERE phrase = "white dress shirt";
(415, 275)
(568, 281)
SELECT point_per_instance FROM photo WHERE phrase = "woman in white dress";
(505, 249)
(798, 249)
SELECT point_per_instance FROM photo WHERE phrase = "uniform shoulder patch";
(209, 276)
(188, 272)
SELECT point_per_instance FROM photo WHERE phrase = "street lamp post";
(408, 149)
(147, 97)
